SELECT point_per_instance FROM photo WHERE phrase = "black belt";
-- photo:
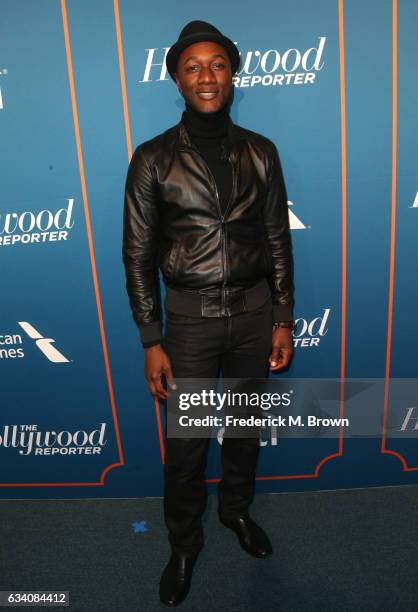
(217, 303)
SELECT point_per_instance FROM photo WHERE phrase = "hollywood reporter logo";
(268, 67)
(28, 440)
(310, 333)
(272, 67)
(31, 227)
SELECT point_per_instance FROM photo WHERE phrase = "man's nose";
(207, 75)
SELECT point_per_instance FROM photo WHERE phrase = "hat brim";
(175, 51)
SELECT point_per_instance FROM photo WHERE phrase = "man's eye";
(219, 65)
(191, 68)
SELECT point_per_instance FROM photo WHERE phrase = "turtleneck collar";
(206, 125)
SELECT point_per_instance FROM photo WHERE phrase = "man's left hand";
(282, 348)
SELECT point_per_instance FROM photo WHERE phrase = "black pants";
(199, 348)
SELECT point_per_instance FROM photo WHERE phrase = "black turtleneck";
(208, 132)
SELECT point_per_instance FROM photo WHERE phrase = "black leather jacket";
(173, 221)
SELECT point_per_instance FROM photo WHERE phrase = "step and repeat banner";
(82, 83)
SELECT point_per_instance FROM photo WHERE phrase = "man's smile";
(207, 95)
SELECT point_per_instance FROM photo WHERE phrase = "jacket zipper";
(231, 195)
(223, 228)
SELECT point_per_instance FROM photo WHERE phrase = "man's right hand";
(158, 364)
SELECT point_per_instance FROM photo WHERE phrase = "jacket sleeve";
(276, 221)
(139, 249)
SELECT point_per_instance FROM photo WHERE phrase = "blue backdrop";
(82, 83)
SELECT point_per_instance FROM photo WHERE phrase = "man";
(206, 203)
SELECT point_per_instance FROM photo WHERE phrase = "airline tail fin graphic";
(30, 330)
(43, 344)
(294, 222)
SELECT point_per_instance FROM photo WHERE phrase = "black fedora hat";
(199, 31)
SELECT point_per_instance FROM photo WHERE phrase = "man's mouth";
(207, 95)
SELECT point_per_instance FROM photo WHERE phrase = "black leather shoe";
(176, 578)
(252, 538)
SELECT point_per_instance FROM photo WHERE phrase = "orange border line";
(122, 79)
(88, 227)
(392, 223)
(160, 430)
(65, 484)
(343, 214)
(343, 230)
(383, 448)
(327, 458)
(129, 147)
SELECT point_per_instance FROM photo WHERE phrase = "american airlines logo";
(265, 67)
(11, 346)
(43, 344)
